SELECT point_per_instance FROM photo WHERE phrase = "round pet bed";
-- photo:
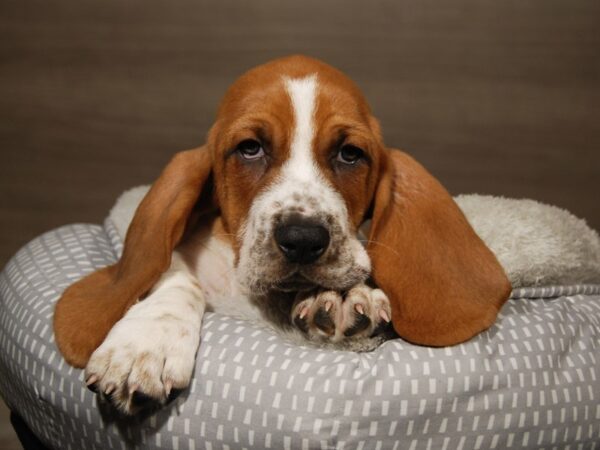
(532, 380)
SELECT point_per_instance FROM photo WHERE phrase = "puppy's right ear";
(89, 308)
(444, 284)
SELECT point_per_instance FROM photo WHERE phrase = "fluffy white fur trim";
(537, 244)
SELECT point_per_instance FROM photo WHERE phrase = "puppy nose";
(301, 242)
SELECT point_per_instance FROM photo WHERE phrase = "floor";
(8, 438)
(492, 97)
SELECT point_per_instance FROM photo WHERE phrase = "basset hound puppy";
(262, 222)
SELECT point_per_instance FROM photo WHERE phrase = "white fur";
(213, 263)
(301, 165)
(152, 348)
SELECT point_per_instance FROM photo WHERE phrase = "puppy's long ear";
(444, 284)
(89, 308)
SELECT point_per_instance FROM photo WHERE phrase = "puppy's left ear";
(445, 286)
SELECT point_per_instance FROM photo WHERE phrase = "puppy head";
(297, 156)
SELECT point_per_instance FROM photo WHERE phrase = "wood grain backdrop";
(496, 97)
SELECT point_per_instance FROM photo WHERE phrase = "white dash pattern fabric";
(531, 381)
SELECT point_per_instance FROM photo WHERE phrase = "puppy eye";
(349, 154)
(250, 149)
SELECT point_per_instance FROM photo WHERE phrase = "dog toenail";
(384, 315)
(303, 312)
(301, 324)
(168, 386)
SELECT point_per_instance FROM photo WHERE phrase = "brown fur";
(444, 284)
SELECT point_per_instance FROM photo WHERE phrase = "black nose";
(301, 242)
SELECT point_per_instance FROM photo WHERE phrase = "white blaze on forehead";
(303, 93)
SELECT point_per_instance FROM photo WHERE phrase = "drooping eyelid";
(240, 136)
(354, 141)
(356, 135)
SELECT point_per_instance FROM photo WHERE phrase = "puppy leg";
(331, 316)
(152, 349)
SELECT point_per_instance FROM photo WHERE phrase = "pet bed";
(532, 380)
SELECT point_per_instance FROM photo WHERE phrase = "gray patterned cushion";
(533, 380)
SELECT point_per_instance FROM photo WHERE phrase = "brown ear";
(444, 284)
(89, 308)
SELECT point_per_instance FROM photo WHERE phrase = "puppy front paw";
(326, 315)
(142, 362)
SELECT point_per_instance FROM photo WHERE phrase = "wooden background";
(496, 97)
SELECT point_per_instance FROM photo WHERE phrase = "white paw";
(143, 359)
(329, 316)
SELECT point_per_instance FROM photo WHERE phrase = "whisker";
(370, 241)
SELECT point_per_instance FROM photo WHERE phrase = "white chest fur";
(211, 260)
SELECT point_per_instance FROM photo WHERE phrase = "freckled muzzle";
(298, 238)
